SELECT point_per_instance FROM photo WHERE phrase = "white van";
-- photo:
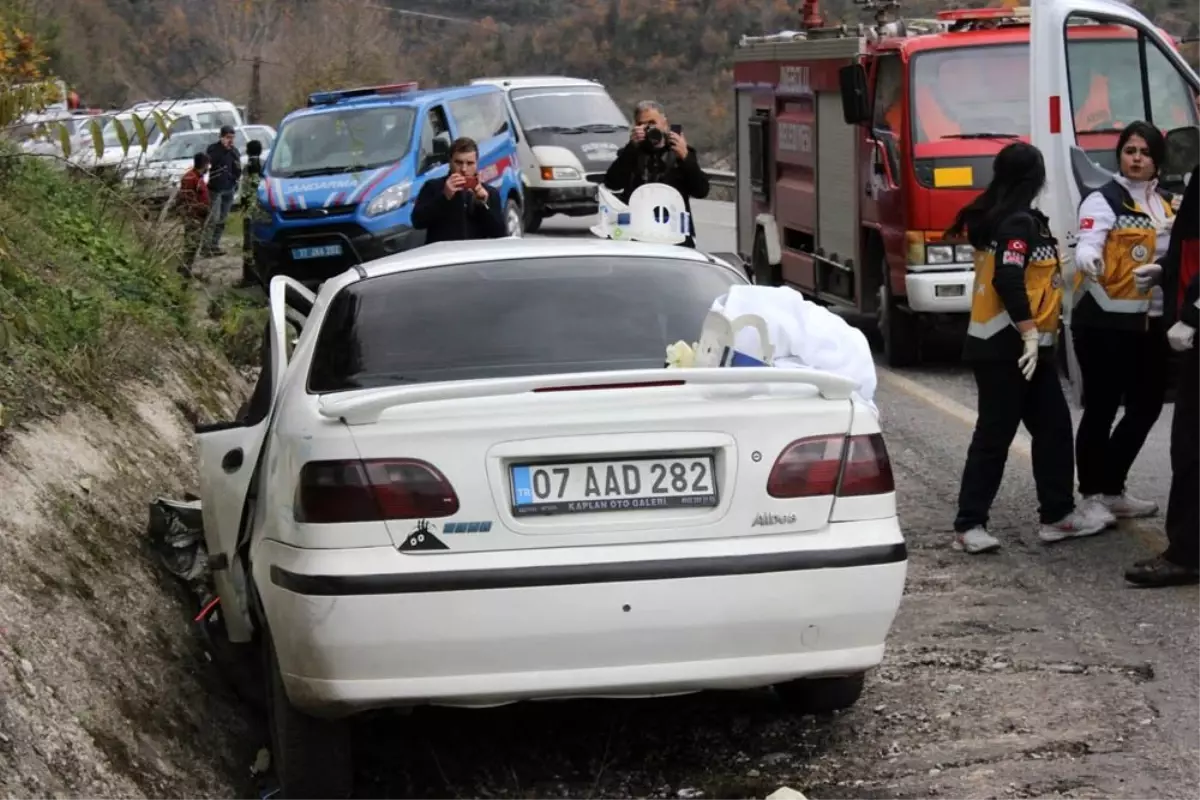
(185, 115)
(568, 131)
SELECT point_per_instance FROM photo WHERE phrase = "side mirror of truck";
(856, 105)
(1183, 153)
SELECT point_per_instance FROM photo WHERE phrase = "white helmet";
(614, 216)
(657, 214)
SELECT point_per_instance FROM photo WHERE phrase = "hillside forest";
(114, 52)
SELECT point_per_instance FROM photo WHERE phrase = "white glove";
(1028, 360)
(1147, 276)
(1181, 337)
(1092, 267)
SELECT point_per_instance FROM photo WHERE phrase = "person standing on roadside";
(658, 153)
(248, 200)
(1117, 325)
(459, 207)
(193, 204)
(225, 168)
(1010, 344)
(1179, 277)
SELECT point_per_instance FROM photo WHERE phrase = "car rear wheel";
(821, 695)
(513, 224)
(311, 756)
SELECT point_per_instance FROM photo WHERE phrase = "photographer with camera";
(459, 206)
(657, 153)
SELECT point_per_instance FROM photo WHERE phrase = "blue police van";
(344, 172)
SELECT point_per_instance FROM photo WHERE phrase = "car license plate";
(324, 251)
(626, 485)
(949, 290)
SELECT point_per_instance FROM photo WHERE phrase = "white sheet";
(803, 334)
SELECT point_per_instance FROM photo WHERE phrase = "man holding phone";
(459, 207)
(657, 152)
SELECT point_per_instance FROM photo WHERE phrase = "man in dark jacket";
(225, 167)
(657, 153)
(459, 206)
(1180, 279)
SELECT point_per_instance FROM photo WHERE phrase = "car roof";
(444, 254)
(536, 81)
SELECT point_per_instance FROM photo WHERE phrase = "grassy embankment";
(90, 297)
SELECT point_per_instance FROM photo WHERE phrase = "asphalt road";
(1032, 672)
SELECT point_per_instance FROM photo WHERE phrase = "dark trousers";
(1183, 506)
(1006, 400)
(1117, 367)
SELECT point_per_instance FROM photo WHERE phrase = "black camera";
(655, 138)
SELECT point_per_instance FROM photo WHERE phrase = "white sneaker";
(1074, 525)
(977, 540)
(1126, 506)
(1093, 505)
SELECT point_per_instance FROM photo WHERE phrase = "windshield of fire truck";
(976, 92)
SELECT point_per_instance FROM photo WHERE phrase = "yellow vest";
(1130, 244)
(1043, 286)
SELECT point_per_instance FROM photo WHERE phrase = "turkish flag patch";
(1016, 245)
(1016, 259)
(1086, 224)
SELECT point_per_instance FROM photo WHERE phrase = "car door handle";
(232, 461)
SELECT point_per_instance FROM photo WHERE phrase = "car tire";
(514, 222)
(900, 330)
(311, 756)
(821, 695)
(532, 217)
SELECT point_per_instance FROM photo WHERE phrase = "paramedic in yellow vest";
(1010, 343)
(1117, 326)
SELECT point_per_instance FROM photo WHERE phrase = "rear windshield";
(512, 318)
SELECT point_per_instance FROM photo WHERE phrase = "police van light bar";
(328, 98)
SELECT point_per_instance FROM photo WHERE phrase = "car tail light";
(372, 490)
(838, 465)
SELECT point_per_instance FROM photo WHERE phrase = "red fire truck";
(857, 144)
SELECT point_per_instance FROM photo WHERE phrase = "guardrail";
(722, 185)
(721, 178)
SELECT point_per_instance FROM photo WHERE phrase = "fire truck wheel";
(899, 329)
(763, 273)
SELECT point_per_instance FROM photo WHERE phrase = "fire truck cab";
(858, 144)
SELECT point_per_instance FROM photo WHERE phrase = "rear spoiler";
(365, 407)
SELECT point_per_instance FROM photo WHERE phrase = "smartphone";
(676, 129)
(470, 182)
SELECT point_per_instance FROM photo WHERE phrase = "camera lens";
(654, 136)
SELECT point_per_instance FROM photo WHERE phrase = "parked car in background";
(181, 115)
(156, 179)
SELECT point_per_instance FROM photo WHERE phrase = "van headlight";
(964, 254)
(390, 199)
(560, 174)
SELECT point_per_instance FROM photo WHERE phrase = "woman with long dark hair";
(1179, 277)
(1010, 344)
(1116, 325)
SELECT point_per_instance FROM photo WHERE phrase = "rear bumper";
(940, 292)
(716, 614)
(274, 256)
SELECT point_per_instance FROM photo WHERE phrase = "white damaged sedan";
(471, 481)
